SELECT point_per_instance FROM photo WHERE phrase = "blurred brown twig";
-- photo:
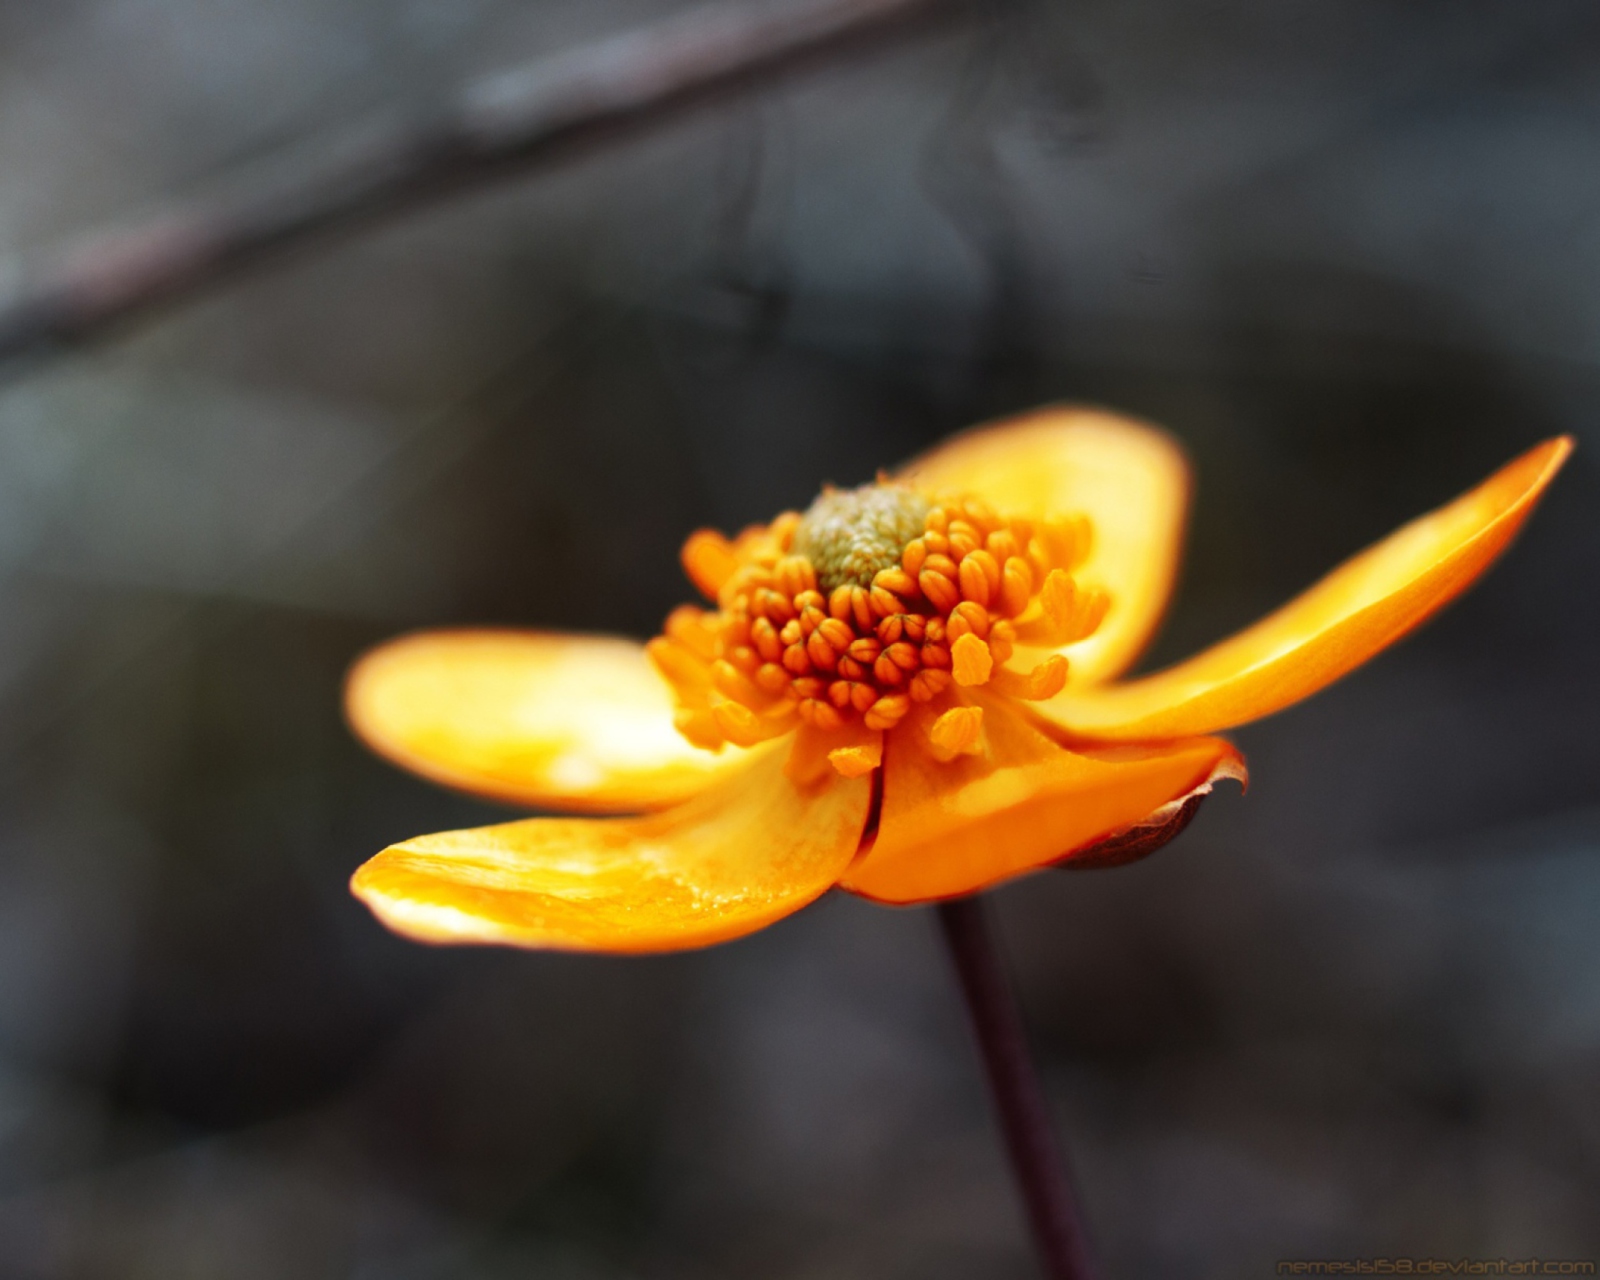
(547, 110)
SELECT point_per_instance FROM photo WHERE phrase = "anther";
(942, 593)
(867, 648)
(689, 627)
(819, 714)
(1016, 586)
(734, 683)
(699, 726)
(795, 575)
(886, 671)
(968, 617)
(974, 582)
(903, 655)
(1044, 681)
(964, 539)
(970, 661)
(885, 603)
(927, 685)
(764, 636)
(981, 513)
(857, 761)
(1002, 639)
(897, 581)
(796, 660)
(775, 605)
(837, 635)
(861, 609)
(990, 568)
(959, 731)
(1002, 544)
(820, 652)
(887, 711)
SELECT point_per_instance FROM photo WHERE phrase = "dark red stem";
(1036, 1159)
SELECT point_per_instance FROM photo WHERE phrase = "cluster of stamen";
(808, 629)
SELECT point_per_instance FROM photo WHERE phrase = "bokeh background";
(1347, 250)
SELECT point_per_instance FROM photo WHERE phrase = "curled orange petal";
(560, 721)
(1363, 606)
(754, 848)
(1026, 800)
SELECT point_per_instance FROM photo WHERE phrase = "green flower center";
(850, 535)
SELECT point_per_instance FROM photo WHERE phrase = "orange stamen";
(958, 732)
(857, 638)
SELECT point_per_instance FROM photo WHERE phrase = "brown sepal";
(1136, 842)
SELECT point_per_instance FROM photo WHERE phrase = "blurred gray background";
(1348, 250)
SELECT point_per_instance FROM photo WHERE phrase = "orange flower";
(905, 691)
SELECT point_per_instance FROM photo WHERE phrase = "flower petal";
(1026, 801)
(564, 721)
(1129, 478)
(1363, 606)
(750, 850)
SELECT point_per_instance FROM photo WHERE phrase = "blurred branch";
(547, 110)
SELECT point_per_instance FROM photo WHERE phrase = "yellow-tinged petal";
(562, 721)
(1024, 801)
(1128, 478)
(1366, 604)
(750, 850)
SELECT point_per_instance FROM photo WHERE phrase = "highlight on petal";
(754, 848)
(1025, 801)
(1130, 479)
(1363, 606)
(563, 721)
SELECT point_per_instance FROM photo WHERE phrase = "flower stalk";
(1036, 1157)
